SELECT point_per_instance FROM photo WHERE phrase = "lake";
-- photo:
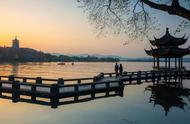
(138, 106)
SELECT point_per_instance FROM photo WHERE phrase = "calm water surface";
(53, 70)
(134, 108)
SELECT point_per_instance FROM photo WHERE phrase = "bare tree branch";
(174, 9)
(131, 16)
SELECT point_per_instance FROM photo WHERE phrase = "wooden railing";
(56, 90)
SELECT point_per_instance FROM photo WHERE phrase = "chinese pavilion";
(167, 48)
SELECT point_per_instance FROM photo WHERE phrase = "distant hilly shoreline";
(11, 54)
(121, 58)
(8, 54)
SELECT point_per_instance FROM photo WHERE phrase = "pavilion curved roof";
(168, 52)
(168, 40)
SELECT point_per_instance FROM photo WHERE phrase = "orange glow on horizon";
(62, 27)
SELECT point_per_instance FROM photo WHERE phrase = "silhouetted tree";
(132, 16)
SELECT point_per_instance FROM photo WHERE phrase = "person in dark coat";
(116, 69)
(120, 69)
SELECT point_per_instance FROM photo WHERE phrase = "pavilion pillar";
(179, 63)
(175, 63)
(158, 63)
(165, 62)
(154, 63)
(169, 63)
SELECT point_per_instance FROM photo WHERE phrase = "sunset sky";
(60, 26)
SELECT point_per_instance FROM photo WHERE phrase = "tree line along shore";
(8, 54)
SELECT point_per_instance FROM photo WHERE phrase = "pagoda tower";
(167, 48)
(15, 43)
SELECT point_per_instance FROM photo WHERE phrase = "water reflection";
(169, 94)
(53, 70)
(15, 68)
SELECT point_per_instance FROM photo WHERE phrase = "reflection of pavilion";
(168, 93)
(168, 97)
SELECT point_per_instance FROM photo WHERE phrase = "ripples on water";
(80, 69)
(53, 70)
(134, 108)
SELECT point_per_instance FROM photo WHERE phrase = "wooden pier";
(53, 92)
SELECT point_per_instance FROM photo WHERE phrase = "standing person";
(116, 69)
(120, 69)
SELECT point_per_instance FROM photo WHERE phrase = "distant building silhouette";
(15, 43)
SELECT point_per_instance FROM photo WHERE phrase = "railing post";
(188, 74)
(110, 75)
(139, 77)
(183, 74)
(170, 76)
(11, 78)
(60, 81)
(175, 76)
(161, 75)
(146, 76)
(107, 88)
(165, 76)
(102, 75)
(93, 91)
(153, 77)
(15, 91)
(54, 95)
(158, 77)
(94, 79)
(0, 88)
(79, 81)
(76, 93)
(33, 89)
(121, 88)
(130, 79)
(125, 73)
(39, 80)
(24, 80)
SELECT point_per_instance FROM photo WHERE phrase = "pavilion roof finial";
(168, 40)
(167, 32)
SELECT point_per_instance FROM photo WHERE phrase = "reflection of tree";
(168, 97)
